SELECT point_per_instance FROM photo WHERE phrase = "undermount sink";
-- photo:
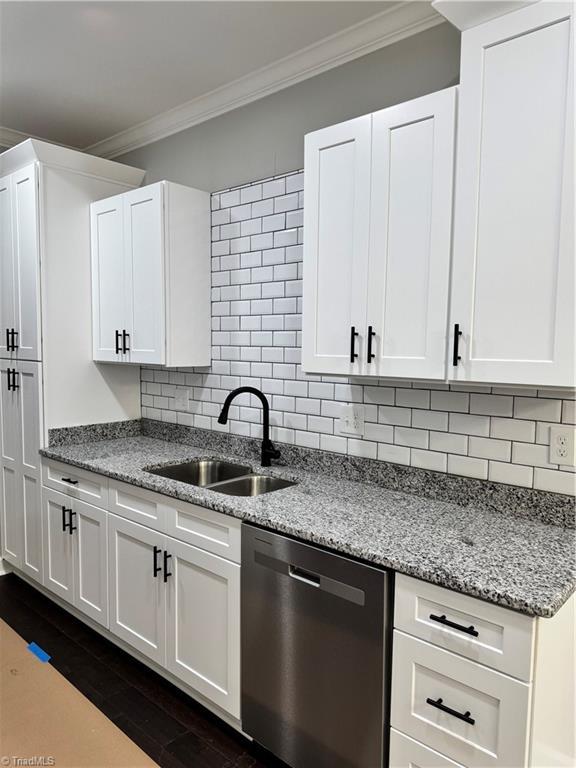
(252, 485)
(222, 476)
(203, 472)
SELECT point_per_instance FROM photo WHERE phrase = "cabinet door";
(109, 288)
(30, 428)
(336, 222)
(7, 276)
(26, 263)
(91, 561)
(513, 274)
(10, 461)
(203, 624)
(144, 248)
(410, 221)
(59, 544)
(137, 594)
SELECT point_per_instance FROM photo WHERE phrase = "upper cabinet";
(378, 212)
(513, 273)
(151, 276)
(19, 266)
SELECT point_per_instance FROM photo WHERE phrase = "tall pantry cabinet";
(47, 376)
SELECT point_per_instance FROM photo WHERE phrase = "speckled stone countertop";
(522, 564)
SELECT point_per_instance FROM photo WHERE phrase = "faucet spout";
(269, 452)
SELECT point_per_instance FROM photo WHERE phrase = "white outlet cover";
(562, 446)
(351, 420)
(182, 399)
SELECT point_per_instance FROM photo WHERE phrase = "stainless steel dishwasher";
(316, 639)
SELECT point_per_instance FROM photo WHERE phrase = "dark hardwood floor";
(169, 726)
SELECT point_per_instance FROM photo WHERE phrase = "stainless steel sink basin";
(203, 472)
(252, 485)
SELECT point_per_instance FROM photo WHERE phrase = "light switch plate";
(562, 441)
(182, 399)
(352, 420)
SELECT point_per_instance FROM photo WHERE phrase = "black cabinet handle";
(117, 336)
(353, 334)
(166, 571)
(125, 347)
(449, 711)
(11, 374)
(71, 526)
(371, 334)
(11, 345)
(157, 568)
(455, 356)
(67, 524)
(460, 627)
(69, 480)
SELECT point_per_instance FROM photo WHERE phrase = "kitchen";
(287, 392)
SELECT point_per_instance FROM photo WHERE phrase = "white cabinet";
(203, 624)
(151, 276)
(378, 212)
(179, 606)
(478, 685)
(336, 222)
(137, 591)
(409, 262)
(19, 265)
(20, 430)
(513, 278)
(75, 553)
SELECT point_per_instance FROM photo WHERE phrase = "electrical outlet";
(562, 441)
(352, 420)
(182, 399)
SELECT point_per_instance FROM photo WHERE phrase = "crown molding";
(9, 137)
(463, 14)
(376, 32)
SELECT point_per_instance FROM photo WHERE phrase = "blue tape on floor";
(37, 651)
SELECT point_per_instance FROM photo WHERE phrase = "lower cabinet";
(179, 606)
(20, 484)
(75, 553)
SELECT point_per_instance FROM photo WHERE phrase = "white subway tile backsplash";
(537, 408)
(550, 480)
(478, 430)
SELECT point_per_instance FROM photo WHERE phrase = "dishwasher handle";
(305, 576)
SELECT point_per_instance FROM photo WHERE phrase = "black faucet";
(268, 450)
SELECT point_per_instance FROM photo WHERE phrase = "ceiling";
(79, 72)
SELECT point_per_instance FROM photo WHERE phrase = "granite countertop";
(522, 564)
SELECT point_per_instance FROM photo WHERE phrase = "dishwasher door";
(316, 639)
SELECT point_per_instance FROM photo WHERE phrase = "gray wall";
(267, 137)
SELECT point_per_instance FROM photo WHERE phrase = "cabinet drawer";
(407, 753)
(502, 639)
(137, 504)
(83, 485)
(204, 528)
(430, 686)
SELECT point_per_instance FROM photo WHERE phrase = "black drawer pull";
(69, 480)
(455, 356)
(125, 337)
(353, 353)
(117, 336)
(157, 568)
(460, 627)
(449, 711)
(166, 571)
(13, 342)
(371, 333)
